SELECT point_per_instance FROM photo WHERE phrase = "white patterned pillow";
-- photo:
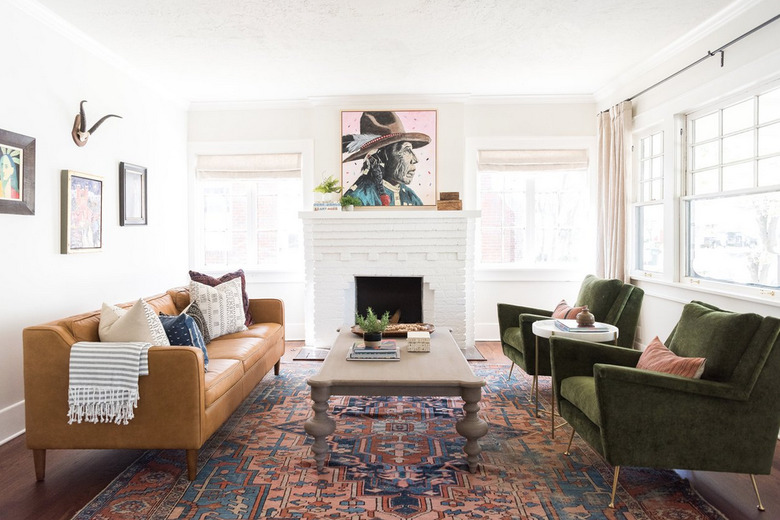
(138, 323)
(222, 306)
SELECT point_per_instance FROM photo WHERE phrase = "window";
(534, 207)
(248, 211)
(732, 201)
(649, 207)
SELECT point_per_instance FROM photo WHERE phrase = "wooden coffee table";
(441, 372)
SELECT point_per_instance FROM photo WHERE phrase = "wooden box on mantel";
(449, 200)
(449, 204)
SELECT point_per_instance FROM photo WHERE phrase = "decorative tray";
(399, 330)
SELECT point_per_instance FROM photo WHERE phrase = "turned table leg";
(320, 425)
(471, 426)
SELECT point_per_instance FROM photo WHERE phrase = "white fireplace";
(436, 245)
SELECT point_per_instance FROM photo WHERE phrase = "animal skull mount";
(80, 133)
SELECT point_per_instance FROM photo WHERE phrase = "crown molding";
(64, 28)
(530, 99)
(686, 41)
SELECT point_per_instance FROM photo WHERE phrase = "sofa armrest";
(267, 310)
(170, 412)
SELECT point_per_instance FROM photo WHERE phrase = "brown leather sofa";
(180, 405)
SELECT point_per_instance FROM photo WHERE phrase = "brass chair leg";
(760, 506)
(614, 487)
(510, 371)
(568, 446)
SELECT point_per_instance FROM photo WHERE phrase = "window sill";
(680, 291)
(526, 274)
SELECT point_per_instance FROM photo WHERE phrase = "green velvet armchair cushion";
(599, 295)
(719, 336)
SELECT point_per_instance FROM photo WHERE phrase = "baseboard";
(486, 332)
(294, 332)
(11, 422)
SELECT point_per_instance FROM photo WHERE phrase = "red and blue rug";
(390, 459)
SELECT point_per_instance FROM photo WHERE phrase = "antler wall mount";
(80, 133)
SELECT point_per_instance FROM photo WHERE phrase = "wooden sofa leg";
(192, 464)
(39, 459)
(277, 366)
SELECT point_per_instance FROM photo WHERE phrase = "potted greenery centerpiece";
(372, 327)
(328, 187)
(348, 202)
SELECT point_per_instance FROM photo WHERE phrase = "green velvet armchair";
(610, 301)
(726, 421)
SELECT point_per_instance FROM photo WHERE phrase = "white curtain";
(614, 127)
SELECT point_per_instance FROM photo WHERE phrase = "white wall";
(461, 121)
(49, 75)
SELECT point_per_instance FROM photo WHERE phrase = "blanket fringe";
(97, 404)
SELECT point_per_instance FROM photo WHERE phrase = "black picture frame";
(132, 195)
(17, 153)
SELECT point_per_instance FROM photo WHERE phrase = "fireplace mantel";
(437, 245)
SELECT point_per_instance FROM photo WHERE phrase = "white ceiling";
(256, 50)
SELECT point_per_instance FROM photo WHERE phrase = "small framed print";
(132, 195)
(17, 173)
(82, 213)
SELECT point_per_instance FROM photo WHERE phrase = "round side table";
(548, 329)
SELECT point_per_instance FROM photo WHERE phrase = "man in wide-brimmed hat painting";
(388, 157)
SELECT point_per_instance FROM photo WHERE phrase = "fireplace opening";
(401, 296)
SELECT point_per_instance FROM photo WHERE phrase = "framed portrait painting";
(82, 213)
(388, 158)
(17, 173)
(132, 195)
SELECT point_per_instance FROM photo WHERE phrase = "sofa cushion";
(271, 332)
(658, 358)
(213, 282)
(247, 350)
(581, 392)
(720, 336)
(138, 323)
(599, 295)
(182, 330)
(222, 306)
(223, 374)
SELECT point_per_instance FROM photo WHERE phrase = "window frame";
(276, 273)
(683, 123)
(667, 173)
(497, 272)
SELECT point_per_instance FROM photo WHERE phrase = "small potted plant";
(372, 327)
(327, 187)
(348, 202)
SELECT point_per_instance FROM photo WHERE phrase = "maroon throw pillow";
(564, 312)
(213, 282)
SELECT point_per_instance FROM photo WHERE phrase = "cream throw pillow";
(222, 306)
(138, 323)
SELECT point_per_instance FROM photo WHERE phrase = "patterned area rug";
(391, 459)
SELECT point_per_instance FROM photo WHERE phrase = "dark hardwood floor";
(73, 477)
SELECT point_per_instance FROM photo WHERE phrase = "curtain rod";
(720, 50)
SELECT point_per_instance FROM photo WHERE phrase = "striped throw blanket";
(104, 380)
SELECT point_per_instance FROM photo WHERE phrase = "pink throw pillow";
(658, 358)
(564, 312)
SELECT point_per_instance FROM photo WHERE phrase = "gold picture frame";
(82, 213)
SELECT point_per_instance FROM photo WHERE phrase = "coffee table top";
(444, 365)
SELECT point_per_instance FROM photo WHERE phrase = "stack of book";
(387, 351)
(572, 326)
(327, 206)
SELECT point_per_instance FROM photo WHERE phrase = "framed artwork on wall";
(388, 158)
(82, 213)
(17, 173)
(132, 195)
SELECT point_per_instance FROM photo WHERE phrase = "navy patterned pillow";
(182, 330)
